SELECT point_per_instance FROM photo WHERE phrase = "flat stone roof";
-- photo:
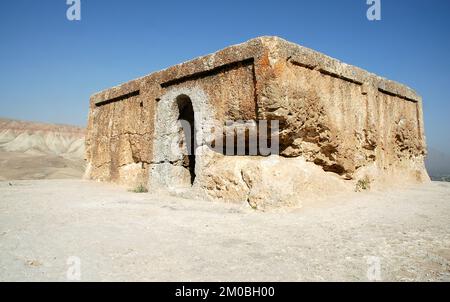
(251, 51)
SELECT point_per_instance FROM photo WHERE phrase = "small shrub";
(363, 184)
(253, 205)
(140, 189)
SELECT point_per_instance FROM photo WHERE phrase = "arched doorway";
(188, 143)
(173, 168)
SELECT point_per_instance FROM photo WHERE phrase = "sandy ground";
(17, 165)
(119, 235)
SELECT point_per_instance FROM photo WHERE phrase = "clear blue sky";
(50, 66)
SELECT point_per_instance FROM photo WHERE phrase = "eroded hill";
(31, 150)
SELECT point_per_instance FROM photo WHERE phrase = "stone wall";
(345, 127)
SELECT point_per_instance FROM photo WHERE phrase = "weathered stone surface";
(339, 124)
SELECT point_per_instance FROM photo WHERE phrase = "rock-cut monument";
(272, 124)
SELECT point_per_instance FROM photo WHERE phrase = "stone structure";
(341, 127)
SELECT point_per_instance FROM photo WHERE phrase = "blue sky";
(49, 66)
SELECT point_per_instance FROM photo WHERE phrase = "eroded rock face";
(304, 122)
(338, 125)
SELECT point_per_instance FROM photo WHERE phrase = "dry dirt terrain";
(120, 235)
(31, 150)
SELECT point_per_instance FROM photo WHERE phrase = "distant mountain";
(41, 139)
(31, 150)
(438, 164)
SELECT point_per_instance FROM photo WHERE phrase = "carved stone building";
(339, 127)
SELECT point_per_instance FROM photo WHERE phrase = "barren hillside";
(438, 164)
(37, 151)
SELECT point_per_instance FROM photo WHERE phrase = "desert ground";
(15, 165)
(51, 220)
(119, 235)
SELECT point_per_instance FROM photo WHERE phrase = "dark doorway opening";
(186, 113)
